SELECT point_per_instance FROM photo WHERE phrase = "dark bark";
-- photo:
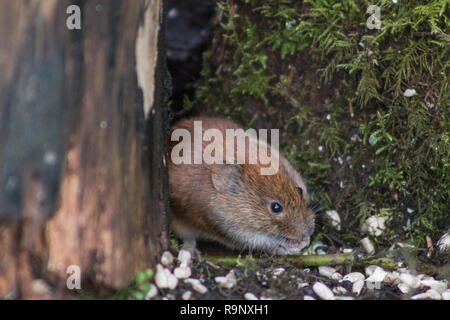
(82, 145)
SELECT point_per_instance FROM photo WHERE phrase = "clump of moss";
(337, 90)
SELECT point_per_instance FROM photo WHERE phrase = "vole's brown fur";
(231, 203)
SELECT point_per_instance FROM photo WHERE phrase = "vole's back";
(228, 203)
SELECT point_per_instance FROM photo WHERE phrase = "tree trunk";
(83, 178)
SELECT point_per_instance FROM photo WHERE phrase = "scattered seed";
(323, 291)
(403, 287)
(410, 280)
(188, 295)
(340, 290)
(152, 292)
(439, 286)
(308, 298)
(167, 259)
(446, 295)
(374, 226)
(335, 219)
(228, 281)
(443, 243)
(184, 257)
(164, 278)
(409, 92)
(358, 285)
(420, 296)
(370, 270)
(392, 277)
(327, 271)
(434, 294)
(278, 271)
(182, 272)
(250, 296)
(354, 276)
(344, 298)
(378, 275)
(367, 245)
(196, 285)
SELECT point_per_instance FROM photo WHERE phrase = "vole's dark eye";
(276, 207)
(300, 190)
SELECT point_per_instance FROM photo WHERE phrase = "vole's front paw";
(190, 246)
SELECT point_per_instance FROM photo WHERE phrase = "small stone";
(323, 291)
(250, 296)
(167, 259)
(354, 276)
(182, 272)
(151, 293)
(358, 285)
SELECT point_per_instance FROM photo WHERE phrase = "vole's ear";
(225, 178)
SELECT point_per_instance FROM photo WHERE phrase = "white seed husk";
(323, 291)
(410, 280)
(196, 285)
(326, 271)
(443, 243)
(374, 226)
(187, 295)
(250, 296)
(182, 272)
(354, 276)
(152, 292)
(434, 294)
(335, 219)
(228, 281)
(446, 295)
(184, 257)
(377, 276)
(358, 285)
(367, 245)
(403, 287)
(167, 259)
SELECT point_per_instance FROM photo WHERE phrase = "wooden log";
(83, 177)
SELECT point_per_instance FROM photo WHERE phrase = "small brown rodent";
(235, 204)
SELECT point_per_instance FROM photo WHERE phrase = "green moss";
(314, 69)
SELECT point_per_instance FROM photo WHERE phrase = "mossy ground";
(336, 88)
